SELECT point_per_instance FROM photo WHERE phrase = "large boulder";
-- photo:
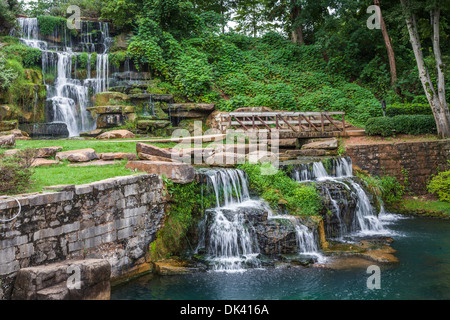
(153, 150)
(58, 281)
(176, 171)
(82, 155)
(7, 141)
(116, 134)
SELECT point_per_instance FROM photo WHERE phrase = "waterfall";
(232, 242)
(69, 96)
(340, 172)
(228, 232)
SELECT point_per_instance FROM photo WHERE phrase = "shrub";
(407, 124)
(398, 109)
(16, 172)
(440, 185)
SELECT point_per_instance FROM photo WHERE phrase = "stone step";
(91, 281)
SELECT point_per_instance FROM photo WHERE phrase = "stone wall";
(417, 160)
(114, 219)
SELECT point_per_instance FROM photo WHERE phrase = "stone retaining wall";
(415, 160)
(114, 219)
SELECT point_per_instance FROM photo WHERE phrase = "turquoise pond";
(423, 272)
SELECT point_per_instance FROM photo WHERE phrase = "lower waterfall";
(232, 232)
(339, 174)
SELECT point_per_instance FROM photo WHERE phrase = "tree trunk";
(297, 31)
(389, 48)
(440, 110)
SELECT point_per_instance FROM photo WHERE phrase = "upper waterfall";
(68, 93)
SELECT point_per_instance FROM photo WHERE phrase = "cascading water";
(229, 230)
(340, 172)
(232, 244)
(69, 96)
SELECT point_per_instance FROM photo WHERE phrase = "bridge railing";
(298, 122)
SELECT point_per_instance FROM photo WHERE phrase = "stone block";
(177, 172)
(54, 281)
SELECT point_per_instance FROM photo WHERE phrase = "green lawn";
(100, 146)
(62, 174)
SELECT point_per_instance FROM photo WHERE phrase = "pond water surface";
(423, 272)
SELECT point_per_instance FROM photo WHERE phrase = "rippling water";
(423, 272)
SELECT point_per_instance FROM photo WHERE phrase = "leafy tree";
(435, 92)
(8, 11)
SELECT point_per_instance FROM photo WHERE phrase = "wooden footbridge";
(291, 124)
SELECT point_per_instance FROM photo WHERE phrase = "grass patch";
(98, 145)
(422, 207)
(61, 174)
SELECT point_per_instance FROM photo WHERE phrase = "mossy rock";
(9, 125)
(8, 112)
(104, 98)
(150, 125)
(135, 91)
(111, 110)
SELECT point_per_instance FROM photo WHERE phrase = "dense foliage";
(407, 124)
(440, 185)
(279, 190)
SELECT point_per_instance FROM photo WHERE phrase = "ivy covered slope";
(236, 71)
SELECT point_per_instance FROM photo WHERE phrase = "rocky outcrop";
(69, 280)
